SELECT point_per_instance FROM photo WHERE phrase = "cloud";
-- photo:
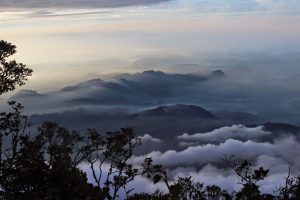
(187, 144)
(204, 163)
(201, 155)
(263, 1)
(227, 7)
(209, 153)
(236, 132)
(227, 179)
(139, 184)
(73, 3)
(275, 159)
(149, 143)
(209, 175)
(146, 139)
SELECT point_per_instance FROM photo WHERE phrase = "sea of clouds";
(204, 160)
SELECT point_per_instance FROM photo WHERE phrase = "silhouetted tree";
(45, 166)
(114, 149)
(291, 189)
(184, 188)
(11, 72)
(248, 177)
(157, 195)
(41, 167)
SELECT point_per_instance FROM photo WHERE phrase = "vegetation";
(47, 164)
(11, 72)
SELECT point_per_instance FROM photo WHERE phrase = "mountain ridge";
(180, 110)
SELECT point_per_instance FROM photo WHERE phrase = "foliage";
(249, 178)
(291, 189)
(46, 166)
(184, 188)
(11, 72)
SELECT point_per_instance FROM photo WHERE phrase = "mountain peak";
(180, 110)
(89, 83)
(153, 72)
(217, 74)
(25, 94)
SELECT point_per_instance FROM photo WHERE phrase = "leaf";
(156, 178)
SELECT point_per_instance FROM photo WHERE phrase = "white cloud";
(285, 150)
(203, 163)
(263, 1)
(226, 179)
(237, 132)
(140, 183)
(208, 175)
(146, 139)
(210, 153)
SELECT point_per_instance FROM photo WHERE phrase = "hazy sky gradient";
(59, 40)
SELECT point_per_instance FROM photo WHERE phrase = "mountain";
(83, 85)
(237, 117)
(144, 89)
(217, 74)
(163, 122)
(180, 110)
(26, 94)
(156, 77)
(281, 128)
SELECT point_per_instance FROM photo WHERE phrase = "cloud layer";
(210, 153)
(237, 132)
(73, 3)
(204, 162)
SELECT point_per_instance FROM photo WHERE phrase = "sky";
(94, 38)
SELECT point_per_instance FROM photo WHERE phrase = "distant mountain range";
(180, 114)
(279, 128)
(146, 101)
(163, 122)
(145, 89)
(159, 121)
